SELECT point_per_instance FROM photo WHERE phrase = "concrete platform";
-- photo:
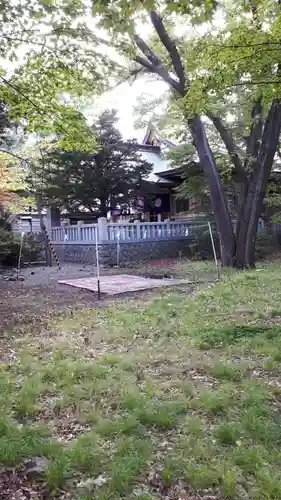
(122, 283)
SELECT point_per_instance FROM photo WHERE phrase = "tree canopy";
(204, 74)
(50, 57)
(110, 177)
(228, 71)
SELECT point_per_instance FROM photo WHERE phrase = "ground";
(167, 396)
(41, 294)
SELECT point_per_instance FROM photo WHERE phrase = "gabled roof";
(154, 138)
(152, 150)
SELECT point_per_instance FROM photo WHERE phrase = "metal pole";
(214, 250)
(97, 263)
(20, 253)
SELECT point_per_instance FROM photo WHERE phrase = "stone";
(130, 251)
(35, 466)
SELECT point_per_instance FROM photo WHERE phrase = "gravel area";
(40, 294)
(43, 275)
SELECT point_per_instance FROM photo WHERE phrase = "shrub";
(5, 219)
(201, 245)
(33, 247)
(266, 244)
(10, 248)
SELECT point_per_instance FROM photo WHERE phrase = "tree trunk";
(217, 195)
(103, 207)
(248, 217)
(48, 254)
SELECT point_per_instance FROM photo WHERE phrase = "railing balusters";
(124, 231)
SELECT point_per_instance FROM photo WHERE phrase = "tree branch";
(146, 50)
(270, 133)
(171, 48)
(159, 70)
(14, 155)
(254, 140)
(230, 145)
(264, 82)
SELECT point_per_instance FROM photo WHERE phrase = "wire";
(240, 84)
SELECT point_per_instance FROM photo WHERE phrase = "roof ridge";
(152, 129)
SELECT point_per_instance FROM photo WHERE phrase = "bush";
(5, 219)
(10, 248)
(201, 245)
(266, 244)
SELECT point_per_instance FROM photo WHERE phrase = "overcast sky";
(124, 98)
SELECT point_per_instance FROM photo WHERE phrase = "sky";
(124, 98)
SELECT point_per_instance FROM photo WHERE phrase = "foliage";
(14, 191)
(201, 246)
(5, 219)
(48, 53)
(75, 180)
(267, 243)
(10, 248)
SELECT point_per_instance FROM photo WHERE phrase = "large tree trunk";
(103, 207)
(217, 195)
(252, 201)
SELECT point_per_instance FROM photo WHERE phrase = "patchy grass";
(176, 396)
(180, 267)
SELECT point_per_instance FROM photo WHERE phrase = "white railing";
(164, 230)
(128, 231)
(123, 231)
(81, 233)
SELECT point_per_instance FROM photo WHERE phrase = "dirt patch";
(18, 484)
(19, 303)
(39, 294)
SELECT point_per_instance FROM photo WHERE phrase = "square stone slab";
(121, 283)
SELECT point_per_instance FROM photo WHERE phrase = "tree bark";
(43, 231)
(248, 217)
(103, 207)
(217, 195)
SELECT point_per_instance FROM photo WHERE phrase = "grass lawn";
(176, 397)
(199, 271)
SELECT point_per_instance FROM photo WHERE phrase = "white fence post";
(137, 222)
(80, 224)
(48, 220)
(102, 229)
